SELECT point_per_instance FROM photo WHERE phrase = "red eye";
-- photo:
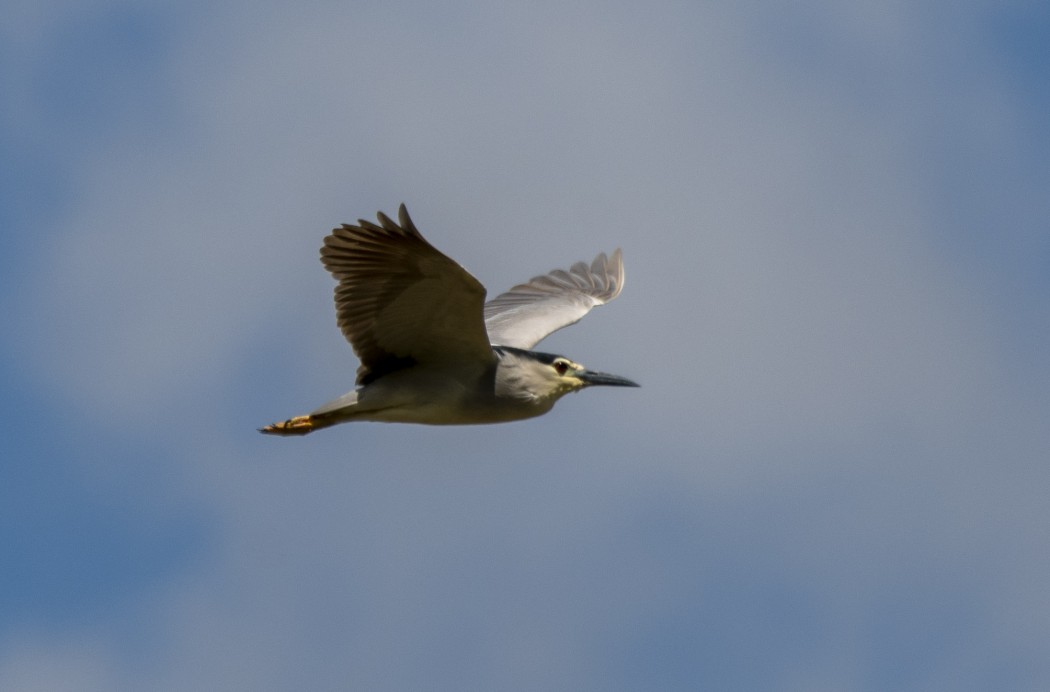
(561, 367)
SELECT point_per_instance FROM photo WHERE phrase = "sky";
(834, 219)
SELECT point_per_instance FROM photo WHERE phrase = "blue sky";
(835, 228)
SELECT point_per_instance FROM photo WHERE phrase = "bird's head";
(548, 377)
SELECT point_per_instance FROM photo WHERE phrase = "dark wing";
(400, 301)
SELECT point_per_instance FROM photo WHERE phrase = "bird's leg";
(300, 425)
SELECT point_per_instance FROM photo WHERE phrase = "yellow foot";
(300, 425)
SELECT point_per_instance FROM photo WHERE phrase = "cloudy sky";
(836, 229)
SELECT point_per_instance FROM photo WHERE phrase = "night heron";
(432, 350)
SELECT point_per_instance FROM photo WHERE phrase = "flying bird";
(432, 350)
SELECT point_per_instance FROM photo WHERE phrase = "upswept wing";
(400, 301)
(527, 313)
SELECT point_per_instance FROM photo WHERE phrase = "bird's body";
(432, 351)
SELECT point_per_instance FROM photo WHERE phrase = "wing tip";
(609, 270)
(616, 259)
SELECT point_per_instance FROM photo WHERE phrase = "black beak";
(590, 378)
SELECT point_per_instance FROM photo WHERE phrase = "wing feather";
(529, 312)
(400, 301)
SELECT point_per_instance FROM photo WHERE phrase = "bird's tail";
(335, 411)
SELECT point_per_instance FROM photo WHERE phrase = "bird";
(432, 351)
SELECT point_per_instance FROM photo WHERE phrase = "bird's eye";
(561, 367)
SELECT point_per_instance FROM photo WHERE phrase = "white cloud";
(33, 666)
